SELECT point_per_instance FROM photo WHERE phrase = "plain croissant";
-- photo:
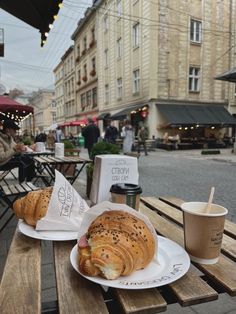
(116, 244)
(33, 206)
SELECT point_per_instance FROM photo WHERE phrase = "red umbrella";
(12, 109)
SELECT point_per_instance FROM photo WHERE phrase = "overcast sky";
(25, 64)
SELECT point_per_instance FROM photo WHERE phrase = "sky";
(27, 66)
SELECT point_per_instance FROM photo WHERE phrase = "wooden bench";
(202, 283)
(9, 193)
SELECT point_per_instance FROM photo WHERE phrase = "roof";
(37, 13)
(16, 110)
(196, 114)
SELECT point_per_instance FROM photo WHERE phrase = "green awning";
(103, 115)
(205, 115)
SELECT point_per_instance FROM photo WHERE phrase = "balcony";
(93, 72)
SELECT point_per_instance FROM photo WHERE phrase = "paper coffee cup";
(40, 147)
(203, 231)
(59, 150)
(126, 193)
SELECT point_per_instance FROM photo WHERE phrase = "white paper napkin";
(66, 207)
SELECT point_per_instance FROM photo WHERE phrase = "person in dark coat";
(91, 134)
(111, 133)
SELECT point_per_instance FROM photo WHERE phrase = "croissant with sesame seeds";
(116, 244)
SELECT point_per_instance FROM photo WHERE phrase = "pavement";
(223, 305)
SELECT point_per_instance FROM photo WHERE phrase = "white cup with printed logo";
(59, 150)
(203, 231)
(40, 147)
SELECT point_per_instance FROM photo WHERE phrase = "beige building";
(157, 58)
(85, 53)
(70, 109)
(59, 93)
(44, 109)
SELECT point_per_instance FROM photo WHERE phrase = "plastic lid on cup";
(126, 188)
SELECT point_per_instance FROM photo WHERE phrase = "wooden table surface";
(20, 290)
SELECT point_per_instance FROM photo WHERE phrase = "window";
(195, 31)
(94, 64)
(93, 34)
(94, 96)
(136, 81)
(136, 35)
(119, 88)
(88, 98)
(194, 79)
(107, 93)
(119, 7)
(119, 48)
(83, 101)
(85, 42)
(105, 21)
(106, 57)
(78, 50)
(85, 69)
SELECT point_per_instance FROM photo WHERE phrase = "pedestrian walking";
(142, 137)
(128, 137)
(111, 133)
(50, 140)
(91, 134)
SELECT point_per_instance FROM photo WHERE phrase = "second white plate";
(46, 235)
(171, 264)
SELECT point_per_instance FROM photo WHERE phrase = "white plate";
(46, 235)
(171, 263)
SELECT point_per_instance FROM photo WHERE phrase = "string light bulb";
(50, 26)
(60, 5)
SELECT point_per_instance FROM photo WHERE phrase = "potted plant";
(100, 148)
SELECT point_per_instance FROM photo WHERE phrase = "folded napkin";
(66, 207)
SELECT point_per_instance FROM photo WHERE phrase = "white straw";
(208, 207)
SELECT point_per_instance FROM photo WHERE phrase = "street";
(189, 175)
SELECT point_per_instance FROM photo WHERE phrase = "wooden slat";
(39, 159)
(230, 227)
(20, 290)
(75, 293)
(191, 289)
(176, 215)
(13, 189)
(26, 187)
(141, 301)
(20, 188)
(225, 271)
(32, 186)
(6, 190)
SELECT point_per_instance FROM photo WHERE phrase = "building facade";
(59, 93)
(156, 52)
(151, 60)
(44, 109)
(85, 53)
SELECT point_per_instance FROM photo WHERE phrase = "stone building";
(44, 109)
(59, 93)
(156, 54)
(155, 63)
(85, 48)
